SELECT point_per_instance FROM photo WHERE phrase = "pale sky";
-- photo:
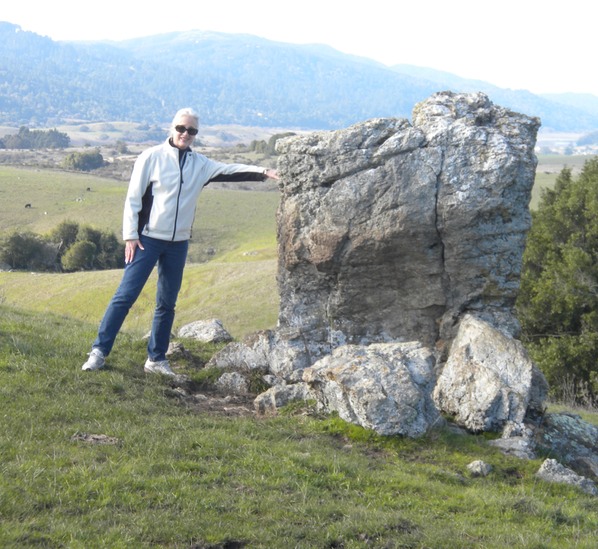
(543, 47)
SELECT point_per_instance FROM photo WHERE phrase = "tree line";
(69, 247)
(35, 139)
(268, 148)
(53, 139)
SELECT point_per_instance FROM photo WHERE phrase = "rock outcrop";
(400, 237)
(571, 440)
(391, 231)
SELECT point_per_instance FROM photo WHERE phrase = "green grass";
(239, 294)
(548, 169)
(237, 285)
(56, 196)
(180, 477)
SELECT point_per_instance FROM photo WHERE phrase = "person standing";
(158, 216)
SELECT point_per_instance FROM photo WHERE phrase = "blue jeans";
(170, 257)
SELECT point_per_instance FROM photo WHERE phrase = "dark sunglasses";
(182, 129)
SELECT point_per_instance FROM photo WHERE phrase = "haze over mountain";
(232, 79)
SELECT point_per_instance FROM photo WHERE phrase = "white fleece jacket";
(162, 197)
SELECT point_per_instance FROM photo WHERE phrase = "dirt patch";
(207, 400)
(94, 439)
(229, 405)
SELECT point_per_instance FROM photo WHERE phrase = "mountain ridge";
(233, 79)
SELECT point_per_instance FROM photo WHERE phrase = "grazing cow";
(27, 205)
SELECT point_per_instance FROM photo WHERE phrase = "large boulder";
(489, 382)
(383, 387)
(391, 230)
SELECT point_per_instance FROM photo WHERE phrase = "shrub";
(84, 161)
(25, 250)
(68, 246)
(80, 256)
(121, 147)
(64, 235)
(558, 301)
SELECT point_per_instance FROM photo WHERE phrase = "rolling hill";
(232, 79)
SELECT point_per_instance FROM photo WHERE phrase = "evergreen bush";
(558, 301)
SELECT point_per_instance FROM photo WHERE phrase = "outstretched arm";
(267, 173)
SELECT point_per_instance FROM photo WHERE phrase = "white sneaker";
(159, 367)
(96, 360)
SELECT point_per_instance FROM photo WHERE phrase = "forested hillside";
(231, 78)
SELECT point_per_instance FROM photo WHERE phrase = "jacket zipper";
(178, 198)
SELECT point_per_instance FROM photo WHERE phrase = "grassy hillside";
(175, 474)
(235, 230)
(241, 294)
(171, 474)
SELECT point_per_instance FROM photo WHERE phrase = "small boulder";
(208, 331)
(280, 395)
(479, 468)
(233, 382)
(250, 354)
(552, 471)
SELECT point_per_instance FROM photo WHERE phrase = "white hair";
(187, 111)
